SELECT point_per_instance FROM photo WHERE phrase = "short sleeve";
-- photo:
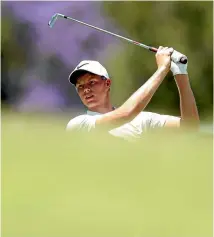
(157, 120)
(81, 123)
(147, 120)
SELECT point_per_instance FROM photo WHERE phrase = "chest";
(133, 129)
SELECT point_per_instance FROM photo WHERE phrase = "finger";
(167, 50)
(160, 48)
(171, 50)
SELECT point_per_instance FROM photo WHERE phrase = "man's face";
(93, 90)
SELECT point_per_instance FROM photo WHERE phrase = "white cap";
(88, 66)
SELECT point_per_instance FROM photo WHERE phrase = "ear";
(108, 83)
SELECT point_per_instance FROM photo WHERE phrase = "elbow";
(196, 123)
(192, 124)
(125, 114)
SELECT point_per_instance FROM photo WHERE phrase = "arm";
(139, 100)
(188, 108)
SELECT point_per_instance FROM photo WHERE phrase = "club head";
(53, 20)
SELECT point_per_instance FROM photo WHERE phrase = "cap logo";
(82, 65)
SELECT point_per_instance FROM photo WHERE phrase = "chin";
(92, 106)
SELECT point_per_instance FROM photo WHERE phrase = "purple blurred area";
(55, 52)
(64, 37)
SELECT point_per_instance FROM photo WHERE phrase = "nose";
(86, 90)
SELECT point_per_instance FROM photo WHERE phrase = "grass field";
(56, 184)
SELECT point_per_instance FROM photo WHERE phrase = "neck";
(105, 108)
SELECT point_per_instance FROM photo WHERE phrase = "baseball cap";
(88, 66)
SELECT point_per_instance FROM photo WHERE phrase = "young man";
(128, 121)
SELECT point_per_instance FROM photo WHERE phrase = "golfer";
(93, 85)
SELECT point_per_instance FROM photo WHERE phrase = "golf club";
(176, 56)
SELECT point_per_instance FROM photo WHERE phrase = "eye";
(79, 87)
(92, 82)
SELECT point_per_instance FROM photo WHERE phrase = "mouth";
(89, 97)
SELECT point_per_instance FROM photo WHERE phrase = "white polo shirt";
(129, 131)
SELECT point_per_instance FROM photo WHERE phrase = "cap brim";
(75, 74)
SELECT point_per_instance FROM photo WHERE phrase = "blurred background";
(57, 184)
(37, 60)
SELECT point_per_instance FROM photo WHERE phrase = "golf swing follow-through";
(129, 121)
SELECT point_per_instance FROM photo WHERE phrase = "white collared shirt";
(133, 129)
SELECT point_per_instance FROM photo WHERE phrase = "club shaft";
(110, 33)
(181, 59)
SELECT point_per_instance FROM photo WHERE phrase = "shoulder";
(80, 122)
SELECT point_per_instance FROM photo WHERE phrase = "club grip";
(176, 56)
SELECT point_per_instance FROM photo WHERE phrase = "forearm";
(140, 99)
(188, 108)
(137, 102)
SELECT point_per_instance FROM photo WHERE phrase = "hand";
(176, 56)
(163, 57)
(178, 68)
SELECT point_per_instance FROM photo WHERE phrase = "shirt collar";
(92, 113)
(89, 112)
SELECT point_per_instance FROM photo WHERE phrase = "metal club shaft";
(153, 49)
(54, 18)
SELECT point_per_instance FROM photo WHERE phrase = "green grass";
(57, 184)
